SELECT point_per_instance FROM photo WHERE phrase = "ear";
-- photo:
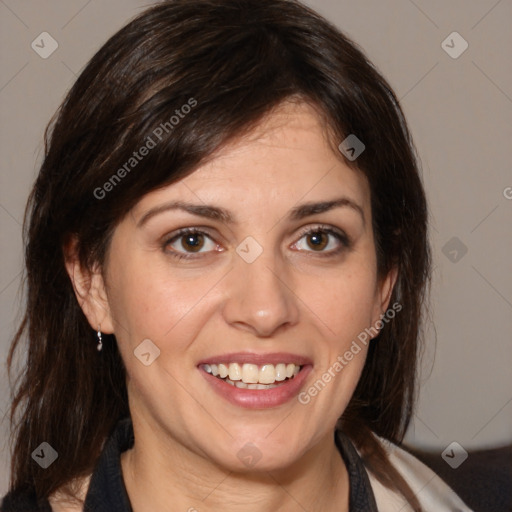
(89, 289)
(383, 293)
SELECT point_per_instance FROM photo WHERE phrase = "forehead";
(284, 160)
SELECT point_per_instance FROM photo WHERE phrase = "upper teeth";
(252, 373)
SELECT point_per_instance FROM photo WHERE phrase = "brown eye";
(325, 241)
(188, 241)
(318, 240)
(192, 242)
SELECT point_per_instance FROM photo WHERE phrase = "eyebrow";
(201, 210)
(308, 209)
(217, 213)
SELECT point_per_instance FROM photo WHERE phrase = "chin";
(261, 454)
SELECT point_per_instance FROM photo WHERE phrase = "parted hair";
(237, 60)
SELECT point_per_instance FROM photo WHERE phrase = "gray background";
(460, 112)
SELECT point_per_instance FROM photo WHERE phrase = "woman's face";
(275, 275)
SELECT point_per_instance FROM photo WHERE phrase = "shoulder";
(59, 501)
(24, 501)
(432, 492)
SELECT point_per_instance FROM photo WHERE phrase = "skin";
(295, 297)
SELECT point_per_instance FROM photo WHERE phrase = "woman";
(226, 260)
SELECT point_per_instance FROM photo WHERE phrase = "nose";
(260, 297)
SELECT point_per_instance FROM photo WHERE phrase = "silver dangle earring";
(100, 342)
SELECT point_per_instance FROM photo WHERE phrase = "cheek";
(154, 301)
(344, 301)
(343, 309)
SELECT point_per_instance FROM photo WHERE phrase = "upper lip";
(258, 359)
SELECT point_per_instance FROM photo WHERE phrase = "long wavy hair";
(238, 60)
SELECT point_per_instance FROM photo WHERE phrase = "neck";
(170, 477)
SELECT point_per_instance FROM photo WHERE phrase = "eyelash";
(182, 232)
(340, 236)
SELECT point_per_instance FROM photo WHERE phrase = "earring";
(100, 342)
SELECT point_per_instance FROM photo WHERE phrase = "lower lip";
(258, 398)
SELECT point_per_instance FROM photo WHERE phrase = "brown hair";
(237, 60)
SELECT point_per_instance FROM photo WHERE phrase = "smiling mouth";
(252, 376)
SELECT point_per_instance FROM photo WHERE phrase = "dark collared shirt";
(107, 492)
